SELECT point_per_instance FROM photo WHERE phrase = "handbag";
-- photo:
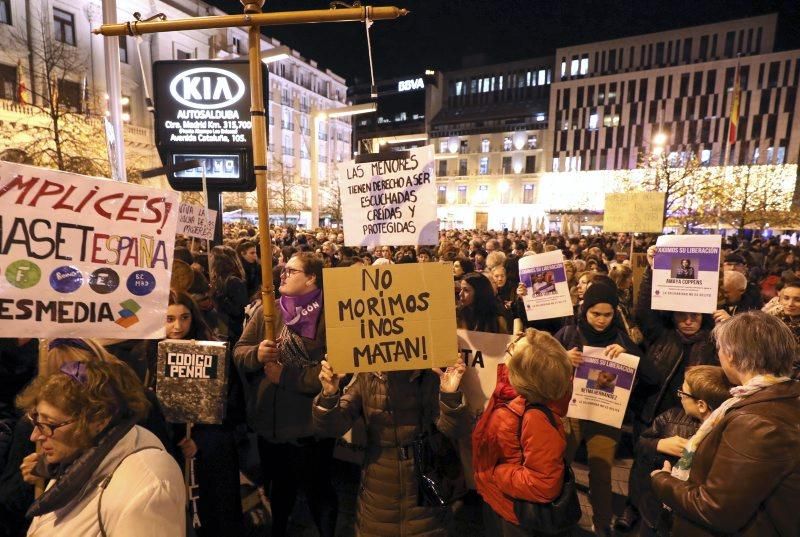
(438, 469)
(562, 513)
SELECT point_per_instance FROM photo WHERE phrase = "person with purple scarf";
(282, 380)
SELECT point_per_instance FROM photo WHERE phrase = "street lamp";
(659, 141)
(319, 115)
(275, 54)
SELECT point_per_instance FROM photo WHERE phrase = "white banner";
(686, 273)
(196, 221)
(545, 279)
(602, 387)
(390, 201)
(83, 257)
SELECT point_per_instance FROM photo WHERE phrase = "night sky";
(437, 34)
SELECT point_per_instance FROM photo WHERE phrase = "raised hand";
(329, 379)
(450, 378)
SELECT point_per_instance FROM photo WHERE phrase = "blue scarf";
(301, 313)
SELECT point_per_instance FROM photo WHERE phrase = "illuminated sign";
(206, 88)
(411, 84)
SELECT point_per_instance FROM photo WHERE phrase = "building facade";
(296, 85)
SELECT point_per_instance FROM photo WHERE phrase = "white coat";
(146, 496)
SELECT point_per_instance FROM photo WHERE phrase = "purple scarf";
(301, 313)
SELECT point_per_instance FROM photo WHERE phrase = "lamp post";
(319, 115)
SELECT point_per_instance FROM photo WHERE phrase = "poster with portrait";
(547, 292)
(602, 387)
(686, 273)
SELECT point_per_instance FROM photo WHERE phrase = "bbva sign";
(207, 88)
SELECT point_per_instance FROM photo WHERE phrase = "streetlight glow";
(659, 139)
(275, 54)
(345, 111)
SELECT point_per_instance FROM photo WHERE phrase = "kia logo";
(206, 88)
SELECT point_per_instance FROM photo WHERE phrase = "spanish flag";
(735, 98)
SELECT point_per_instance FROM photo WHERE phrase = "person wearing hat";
(597, 326)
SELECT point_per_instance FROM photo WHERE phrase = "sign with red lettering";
(82, 256)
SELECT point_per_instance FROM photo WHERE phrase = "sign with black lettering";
(191, 382)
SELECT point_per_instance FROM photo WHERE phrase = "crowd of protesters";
(713, 415)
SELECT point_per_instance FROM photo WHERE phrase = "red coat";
(499, 473)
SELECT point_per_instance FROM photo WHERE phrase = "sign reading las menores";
(83, 257)
(390, 317)
(638, 212)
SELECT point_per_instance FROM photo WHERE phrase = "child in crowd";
(705, 388)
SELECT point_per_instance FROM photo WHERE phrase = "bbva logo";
(206, 88)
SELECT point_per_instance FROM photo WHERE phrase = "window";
(69, 95)
(463, 147)
(485, 145)
(5, 11)
(126, 107)
(542, 74)
(540, 116)
(123, 49)
(555, 164)
(460, 89)
(530, 164)
(442, 172)
(532, 141)
(462, 166)
(441, 195)
(574, 67)
(506, 164)
(705, 157)
(462, 194)
(584, 67)
(507, 144)
(781, 155)
(182, 54)
(593, 121)
(483, 166)
(442, 146)
(611, 120)
(64, 26)
(483, 194)
(8, 82)
(527, 193)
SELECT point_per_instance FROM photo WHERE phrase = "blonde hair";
(495, 259)
(620, 274)
(57, 356)
(539, 369)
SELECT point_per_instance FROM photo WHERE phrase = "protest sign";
(192, 380)
(390, 317)
(602, 387)
(641, 212)
(483, 353)
(638, 266)
(196, 221)
(686, 273)
(547, 293)
(390, 201)
(81, 256)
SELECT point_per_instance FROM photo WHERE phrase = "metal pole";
(314, 171)
(114, 86)
(260, 144)
(253, 19)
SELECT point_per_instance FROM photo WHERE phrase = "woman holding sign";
(597, 326)
(396, 406)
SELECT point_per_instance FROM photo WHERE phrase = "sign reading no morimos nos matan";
(192, 380)
(390, 201)
(81, 256)
(390, 317)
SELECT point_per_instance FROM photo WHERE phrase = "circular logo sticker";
(66, 279)
(141, 283)
(104, 281)
(23, 274)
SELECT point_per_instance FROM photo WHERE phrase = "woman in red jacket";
(529, 466)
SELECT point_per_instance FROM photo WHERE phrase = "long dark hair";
(482, 314)
(199, 329)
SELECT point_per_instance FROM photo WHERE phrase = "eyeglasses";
(681, 394)
(47, 429)
(510, 346)
(286, 272)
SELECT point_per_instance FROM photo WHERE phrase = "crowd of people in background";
(713, 416)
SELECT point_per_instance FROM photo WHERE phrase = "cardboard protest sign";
(483, 353)
(196, 221)
(390, 201)
(686, 273)
(81, 256)
(601, 387)
(390, 317)
(192, 380)
(641, 212)
(545, 278)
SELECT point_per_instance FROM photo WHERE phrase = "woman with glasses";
(282, 377)
(106, 475)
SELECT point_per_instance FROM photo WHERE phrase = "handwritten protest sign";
(483, 353)
(83, 257)
(602, 387)
(547, 293)
(686, 273)
(390, 201)
(390, 317)
(641, 212)
(196, 221)
(192, 380)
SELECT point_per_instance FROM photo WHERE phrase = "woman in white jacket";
(107, 476)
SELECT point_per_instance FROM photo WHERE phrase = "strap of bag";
(107, 479)
(542, 408)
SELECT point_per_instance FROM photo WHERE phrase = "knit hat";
(599, 293)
